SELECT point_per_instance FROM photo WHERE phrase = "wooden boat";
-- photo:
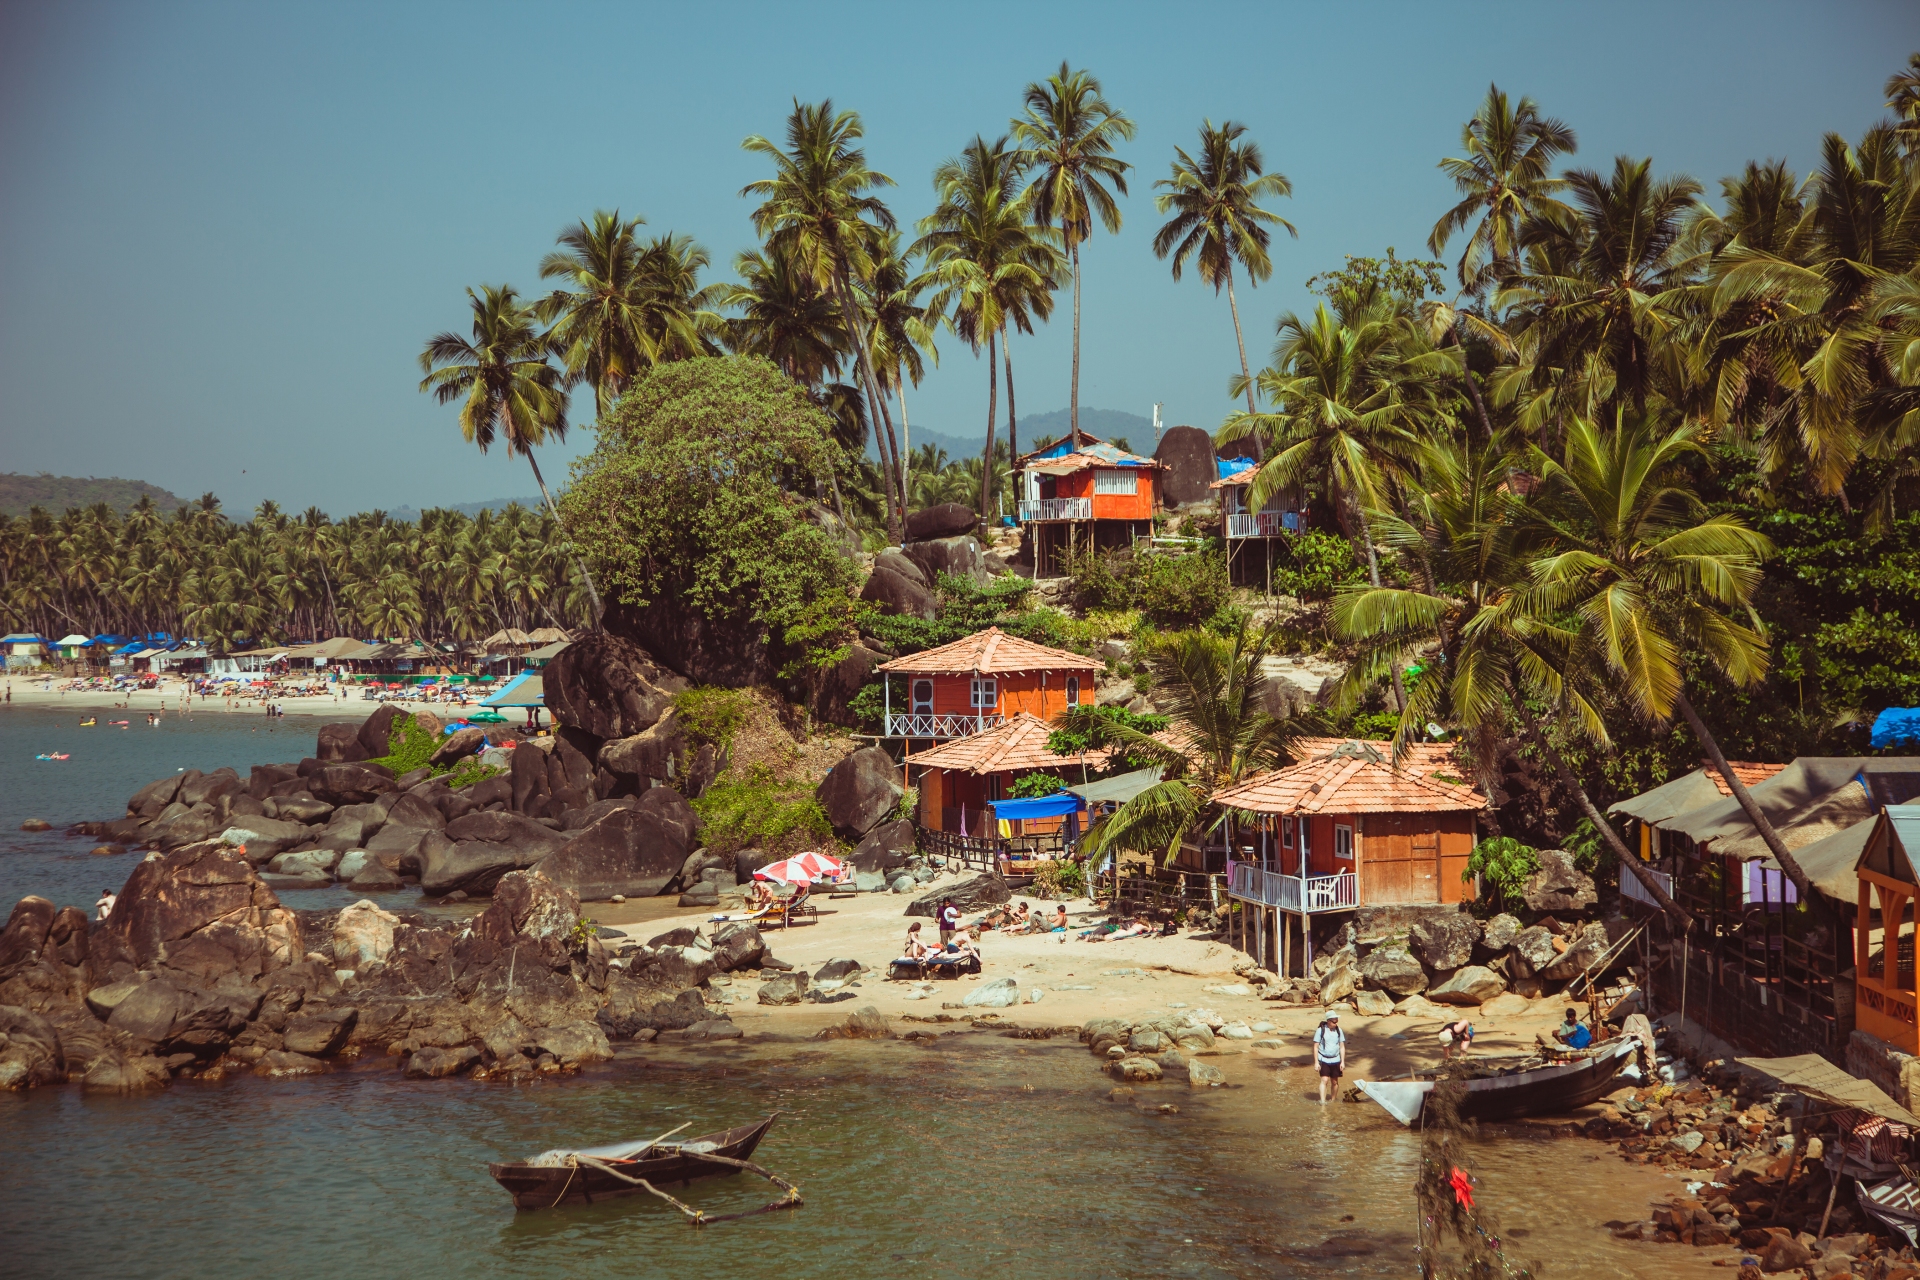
(553, 1178)
(1532, 1091)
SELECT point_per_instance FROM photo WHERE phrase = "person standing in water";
(1329, 1053)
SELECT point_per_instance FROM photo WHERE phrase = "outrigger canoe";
(1531, 1091)
(575, 1176)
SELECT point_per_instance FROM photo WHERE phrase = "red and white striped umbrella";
(823, 866)
(786, 871)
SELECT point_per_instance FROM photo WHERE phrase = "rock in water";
(1471, 985)
(1559, 885)
(860, 791)
(575, 1043)
(1001, 993)
(36, 824)
(362, 935)
(1201, 1075)
(1137, 1070)
(200, 911)
(117, 1071)
(979, 892)
(1443, 941)
(30, 1052)
(435, 1064)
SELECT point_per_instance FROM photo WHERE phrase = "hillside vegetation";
(19, 493)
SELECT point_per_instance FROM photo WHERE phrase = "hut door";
(1399, 860)
(1426, 863)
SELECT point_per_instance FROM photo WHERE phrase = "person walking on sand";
(949, 920)
(1329, 1053)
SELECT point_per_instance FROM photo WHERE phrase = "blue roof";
(1232, 466)
(21, 637)
(1896, 726)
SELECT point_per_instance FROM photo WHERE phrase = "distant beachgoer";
(949, 920)
(1571, 1033)
(1059, 918)
(1456, 1037)
(104, 907)
(1329, 1052)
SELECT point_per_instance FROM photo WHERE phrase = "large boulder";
(1443, 941)
(30, 1052)
(730, 650)
(655, 753)
(176, 830)
(1000, 993)
(200, 911)
(1531, 951)
(975, 893)
(1392, 969)
(1471, 985)
(477, 850)
(343, 784)
(946, 520)
(860, 791)
(302, 809)
(959, 556)
(1187, 454)
(737, 944)
(408, 822)
(362, 935)
(528, 905)
(629, 851)
(259, 839)
(376, 731)
(895, 560)
(1559, 886)
(1499, 933)
(458, 744)
(1585, 951)
(210, 787)
(25, 934)
(895, 593)
(340, 744)
(836, 688)
(886, 846)
(149, 800)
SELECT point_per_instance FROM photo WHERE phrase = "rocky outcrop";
(608, 686)
(730, 651)
(477, 850)
(898, 594)
(342, 784)
(362, 935)
(340, 744)
(1559, 886)
(200, 911)
(1189, 458)
(630, 851)
(1393, 970)
(1443, 941)
(1472, 985)
(887, 846)
(960, 557)
(860, 791)
(975, 893)
(376, 731)
(30, 1052)
(945, 520)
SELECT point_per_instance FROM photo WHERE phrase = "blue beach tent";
(1896, 726)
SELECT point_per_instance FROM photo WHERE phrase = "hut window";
(1286, 833)
(1116, 482)
(1343, 843)
(985, 693)
(1073, 691)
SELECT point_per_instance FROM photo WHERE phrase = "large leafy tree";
(1067, 138)
(1217, 219)
(819, 212)
(986, 261)
(505, 382)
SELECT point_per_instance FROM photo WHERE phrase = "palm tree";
(1212, 688)
(900, 332)
(1652, 578)
(1903, 99)
(1464, 544)
(785, 318)
(506, 383)
(817, 209)
(1218, 220)
(985, 260)
(1067, 137)
(1505, 181)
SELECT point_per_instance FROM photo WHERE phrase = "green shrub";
(1503, 865)
(1059, 879)
(756, 810)
(710, 714)
(1317, 563)
(1179, 590)
(469, 771)
(409, 745)
(1031, 785)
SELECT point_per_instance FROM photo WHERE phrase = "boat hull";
(1542, 1091)
(548, 1187)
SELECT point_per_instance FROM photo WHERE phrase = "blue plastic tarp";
(1896, 726)
(1040, 807)
(1232, 466)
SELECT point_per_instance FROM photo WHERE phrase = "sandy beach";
(176, 697)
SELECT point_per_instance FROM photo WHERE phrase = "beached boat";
(1529, 1091)
(583, 1175)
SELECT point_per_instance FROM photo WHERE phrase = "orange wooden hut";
(980, 682)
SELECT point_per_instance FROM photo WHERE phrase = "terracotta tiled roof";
(1423, 758)
(1347, 782)
(1019, 745)
(1751, 775)
(990, 652)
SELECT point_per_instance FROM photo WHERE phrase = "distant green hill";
(57, 493)
(1108, 424)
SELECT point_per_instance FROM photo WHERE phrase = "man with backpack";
(1329, 1052)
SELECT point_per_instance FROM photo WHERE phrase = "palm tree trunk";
(1373, 575)
(587, 577)
(1775, 845)
(890, 459)
(1599, 821)
(986, 462)
(895, 530)
(1240, 338)
(1073, 413)
(906, 445)
(1473, 388)
(1013, 427)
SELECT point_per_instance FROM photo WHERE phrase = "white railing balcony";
(1040, 509)
(1303, 895)
(1262, 524)
(1630, 886)
(927, 725)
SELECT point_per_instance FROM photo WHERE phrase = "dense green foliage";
(1175, 590)
(1503, 865)
(408, 747)
(691, 496)
(1314, 564)
(713, 715)
(759, 811)
(1100, 725)
(1031, 785)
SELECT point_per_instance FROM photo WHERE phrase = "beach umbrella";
(822, 866)
(786, 871)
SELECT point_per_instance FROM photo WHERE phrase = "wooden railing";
(1170, 889)
(1039, 509)
(946, 725)
(1302, 895)
(989, 852)
(1264, 524)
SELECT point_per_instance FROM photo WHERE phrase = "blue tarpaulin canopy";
(1896, 725)
(1229, 467)
(1041, 807)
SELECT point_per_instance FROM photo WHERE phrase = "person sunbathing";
(915, 948)
(994, 919)
(1138, 927)
(1059, 919)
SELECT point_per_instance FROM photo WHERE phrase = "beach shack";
(1345, 829)
(1250, 535)
(967, 811)
(525, 692)
(980, 682)
(24, 651)
(1096, 497)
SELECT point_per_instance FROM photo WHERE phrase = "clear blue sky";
(226, 229)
